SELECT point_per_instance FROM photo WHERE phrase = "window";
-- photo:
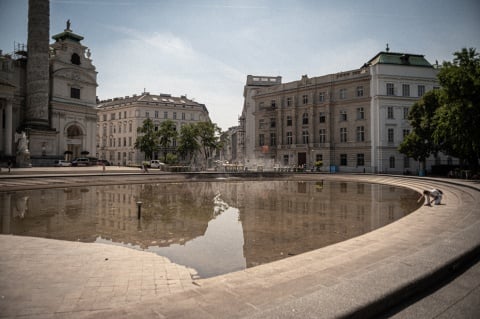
(322, 134)
(405, 113)
(112, 116)
(261, 124)
(343, 115)
(406, 162)
(321, 97)
(147, 115)
(120, 128)
(125, 114)
(165, 115)
(130, 127)
(359, 91)
(104, 117)
(183, 116)
(390, 112)
(273, 104)
(305, 137)
(273, 139)
(129, 141)
(285, 159)
(421, 90)
(124, 141)
(289, 101)
(361, 159)
(391, 161)
(390, 134)
(343, 94)
(360, 113)
(405, 89)
(390, 89)
(319, 157)
(360, 134)
(405, 133)
(75, 59)
(305, 99)
(343, 159)
(305, 118)
(273, 122)
(156, 128)
(75, 93)
(343, 135)
(289, 138)
(322, 117)
(119, 115)
(174, 115)
(289, 120)
(261, 140)
(156, 114)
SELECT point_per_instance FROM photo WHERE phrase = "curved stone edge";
(365, 294)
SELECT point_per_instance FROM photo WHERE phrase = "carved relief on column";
(38, 63)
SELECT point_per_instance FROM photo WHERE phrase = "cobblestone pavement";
(364, 276)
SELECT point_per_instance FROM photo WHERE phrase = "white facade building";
(119, 119)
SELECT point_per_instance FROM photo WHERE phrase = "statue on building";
(68, 25)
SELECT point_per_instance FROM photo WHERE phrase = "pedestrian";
(9, 166)
(432, 196)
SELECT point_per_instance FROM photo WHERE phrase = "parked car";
(156, 164)
(82, 161)
(62, 163)
(103, 162)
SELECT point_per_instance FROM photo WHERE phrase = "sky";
(206, 48)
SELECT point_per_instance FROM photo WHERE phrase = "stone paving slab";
(359, 277)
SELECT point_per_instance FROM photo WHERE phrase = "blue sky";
(206, 48)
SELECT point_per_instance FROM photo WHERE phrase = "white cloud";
(166, 63)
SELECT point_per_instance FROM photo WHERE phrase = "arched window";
(75, 59)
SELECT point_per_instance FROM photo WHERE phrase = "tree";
(419, 143)
(148, 142)
(458, 130)
(167, 133)
(208, 134)
(188, 143)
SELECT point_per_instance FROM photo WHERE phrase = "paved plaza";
(366, 276)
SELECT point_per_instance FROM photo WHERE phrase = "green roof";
(399, 59)
(67, 34)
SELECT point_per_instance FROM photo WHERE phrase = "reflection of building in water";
(66, 214)
(171, 213)
(307, 216)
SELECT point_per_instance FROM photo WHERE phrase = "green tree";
(188, 144)
(167, 132)
(208, 135)
(458, 129)
(148, 141)
(419, 144)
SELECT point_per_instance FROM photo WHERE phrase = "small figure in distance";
(435, 194)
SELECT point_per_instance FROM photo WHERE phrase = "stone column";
(8, 128)
(36, 114)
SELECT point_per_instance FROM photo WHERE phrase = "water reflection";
(213, 227)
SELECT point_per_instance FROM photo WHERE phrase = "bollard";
(139, 205)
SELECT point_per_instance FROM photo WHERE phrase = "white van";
(155, 164)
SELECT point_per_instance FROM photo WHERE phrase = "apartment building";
(352, 121)
(119, 119)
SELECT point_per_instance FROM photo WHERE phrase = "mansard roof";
(406, 59)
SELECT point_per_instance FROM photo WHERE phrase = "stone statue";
(22, 142)
(68, 24)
